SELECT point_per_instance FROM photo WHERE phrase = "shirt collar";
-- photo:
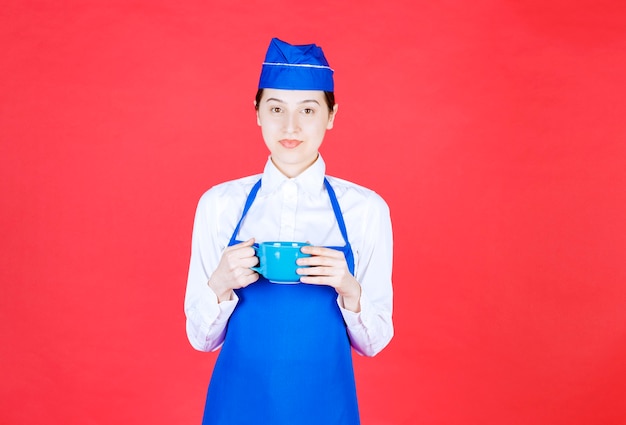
(310, 180)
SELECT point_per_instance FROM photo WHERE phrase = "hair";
(328, 95)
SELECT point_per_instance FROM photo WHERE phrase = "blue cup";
(277, 260)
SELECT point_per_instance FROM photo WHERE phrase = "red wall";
(494, 129)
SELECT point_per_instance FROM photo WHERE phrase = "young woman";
(285, 353)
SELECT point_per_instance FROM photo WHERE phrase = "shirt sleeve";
(206, 318)
(371, 329)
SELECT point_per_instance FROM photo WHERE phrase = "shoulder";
(349, 193)
(233, 191)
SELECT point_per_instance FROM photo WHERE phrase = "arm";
(371, 328)
(366, 299)
(214, 271)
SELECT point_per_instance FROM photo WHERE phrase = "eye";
(276, 109)
(308, 111)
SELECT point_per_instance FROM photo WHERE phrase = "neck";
(293, 170)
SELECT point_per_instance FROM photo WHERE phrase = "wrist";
(222, 294)
(352, 300)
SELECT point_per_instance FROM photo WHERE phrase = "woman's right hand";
(233, 271)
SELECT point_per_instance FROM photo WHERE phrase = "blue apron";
(286, 357)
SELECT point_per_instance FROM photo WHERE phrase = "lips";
(290, 143)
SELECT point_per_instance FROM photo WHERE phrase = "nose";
(292, 124)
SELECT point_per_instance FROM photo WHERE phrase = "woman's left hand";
(327, 266)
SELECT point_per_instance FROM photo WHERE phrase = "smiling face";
(293, 124)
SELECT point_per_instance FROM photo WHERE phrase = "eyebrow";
(299, 103)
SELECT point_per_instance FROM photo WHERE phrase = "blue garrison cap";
(292, 67)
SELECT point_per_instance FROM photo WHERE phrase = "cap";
(292, 67)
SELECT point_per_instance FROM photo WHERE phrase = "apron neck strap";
(333, 202)
(336, 210)
(249, 201)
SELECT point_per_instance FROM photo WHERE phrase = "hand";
(233, 270)
(328, 266)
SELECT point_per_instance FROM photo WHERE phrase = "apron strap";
(333, 202)
(337, 210)
(347, 249)
(249, 202)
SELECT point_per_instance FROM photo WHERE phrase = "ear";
(258, 120)
(331, 117)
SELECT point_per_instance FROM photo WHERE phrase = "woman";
(285, 349)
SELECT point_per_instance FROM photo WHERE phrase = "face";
(293, 124)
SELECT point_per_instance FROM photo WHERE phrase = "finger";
(316, 280)
(246, 252)
(240, 251)
(320, 260)
(239, 245)
(318, 271)
(249, 242)
(246, 279)
(252, 278)
(248, 262)
(243, 272)
(321, 251)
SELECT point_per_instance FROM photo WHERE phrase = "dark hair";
(328, 95)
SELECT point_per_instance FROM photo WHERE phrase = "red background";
(494, 129)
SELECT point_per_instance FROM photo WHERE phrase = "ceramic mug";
(277, 260)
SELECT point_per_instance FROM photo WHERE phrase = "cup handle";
(260, 269)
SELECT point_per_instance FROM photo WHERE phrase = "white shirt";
(296, 209)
